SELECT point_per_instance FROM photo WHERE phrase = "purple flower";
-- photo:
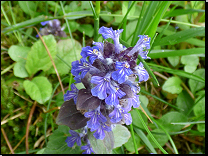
(123, 70)
(77, 79)
(100, 134)
(71, 94)
(88, 149)
(99, 45)
(82, 67)
(95, 118)
(44, 23)
(144, 41)
(103, 87)
(114, 34)
(93, 53)
(118, 113)
(141, 72)
(74, 138)
(112, 99)
(133, 102)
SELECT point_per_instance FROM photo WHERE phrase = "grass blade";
(145, 140)
(181, 36)
(179, 12)
(133, 138)
(168, 53)
(177, 72)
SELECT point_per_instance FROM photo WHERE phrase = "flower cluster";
(108, 72)
(52, 27)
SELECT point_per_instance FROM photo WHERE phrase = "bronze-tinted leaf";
(70, 116)
(86, 101)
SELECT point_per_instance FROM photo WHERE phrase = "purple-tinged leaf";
(86, 101)
(70, 116)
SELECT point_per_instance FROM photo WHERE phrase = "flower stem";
(133, 138)
(96, 21)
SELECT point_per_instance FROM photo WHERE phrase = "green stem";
(96, 21)
(133, 138)
(7, 69)
(150, 134)
(171, 140)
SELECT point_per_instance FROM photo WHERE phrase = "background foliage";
(176, 107)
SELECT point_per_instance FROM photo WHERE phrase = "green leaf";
(57, 144)
(29, 7)
(66, 53)
(87, 28)
(172, 85)
(38, 89)
(135, 118)
(201, 127)
(41, 151)
(144, 100)
(196, 85)
(184, 101)
(174, 60)
(130, 146)
(181, 36)
(121, 135)
(18, 53)
(191, 62)
(168, 53)
(19, 70)
(183, 18)
(172, 117)
(104, 146)
(177, 72)
(162, 139)
(38, 58)
(199, 108)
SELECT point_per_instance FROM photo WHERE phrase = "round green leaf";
(65, 50)
(87, 28)
(130, 145)
(161, 139)
(135, 118)
(199, 108)
(121, 135)
(38, 58)
(190, 62)
(196, 85)
(18, 53)
(172, 85)
(174, 60)
(19, 70)
(201, 127)
(39, 89)
(184, 101)
(172, 117)
(144, 100)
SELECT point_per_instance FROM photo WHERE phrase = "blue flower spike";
(108, 72)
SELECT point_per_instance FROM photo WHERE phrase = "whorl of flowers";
(108, 72)
(52, 27)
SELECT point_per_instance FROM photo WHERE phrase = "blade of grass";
(19, 35)
(133, 138)
(168, 53)
(125, 17)
(181, 36)
(169, 137)
(148, 131)
(157, 17)
(177, 72)
(67, 23)
(147, 93)
(7, 19)
(145, 140)
(179, 12)
(187, 123)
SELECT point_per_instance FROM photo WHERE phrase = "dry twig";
(7, 141)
